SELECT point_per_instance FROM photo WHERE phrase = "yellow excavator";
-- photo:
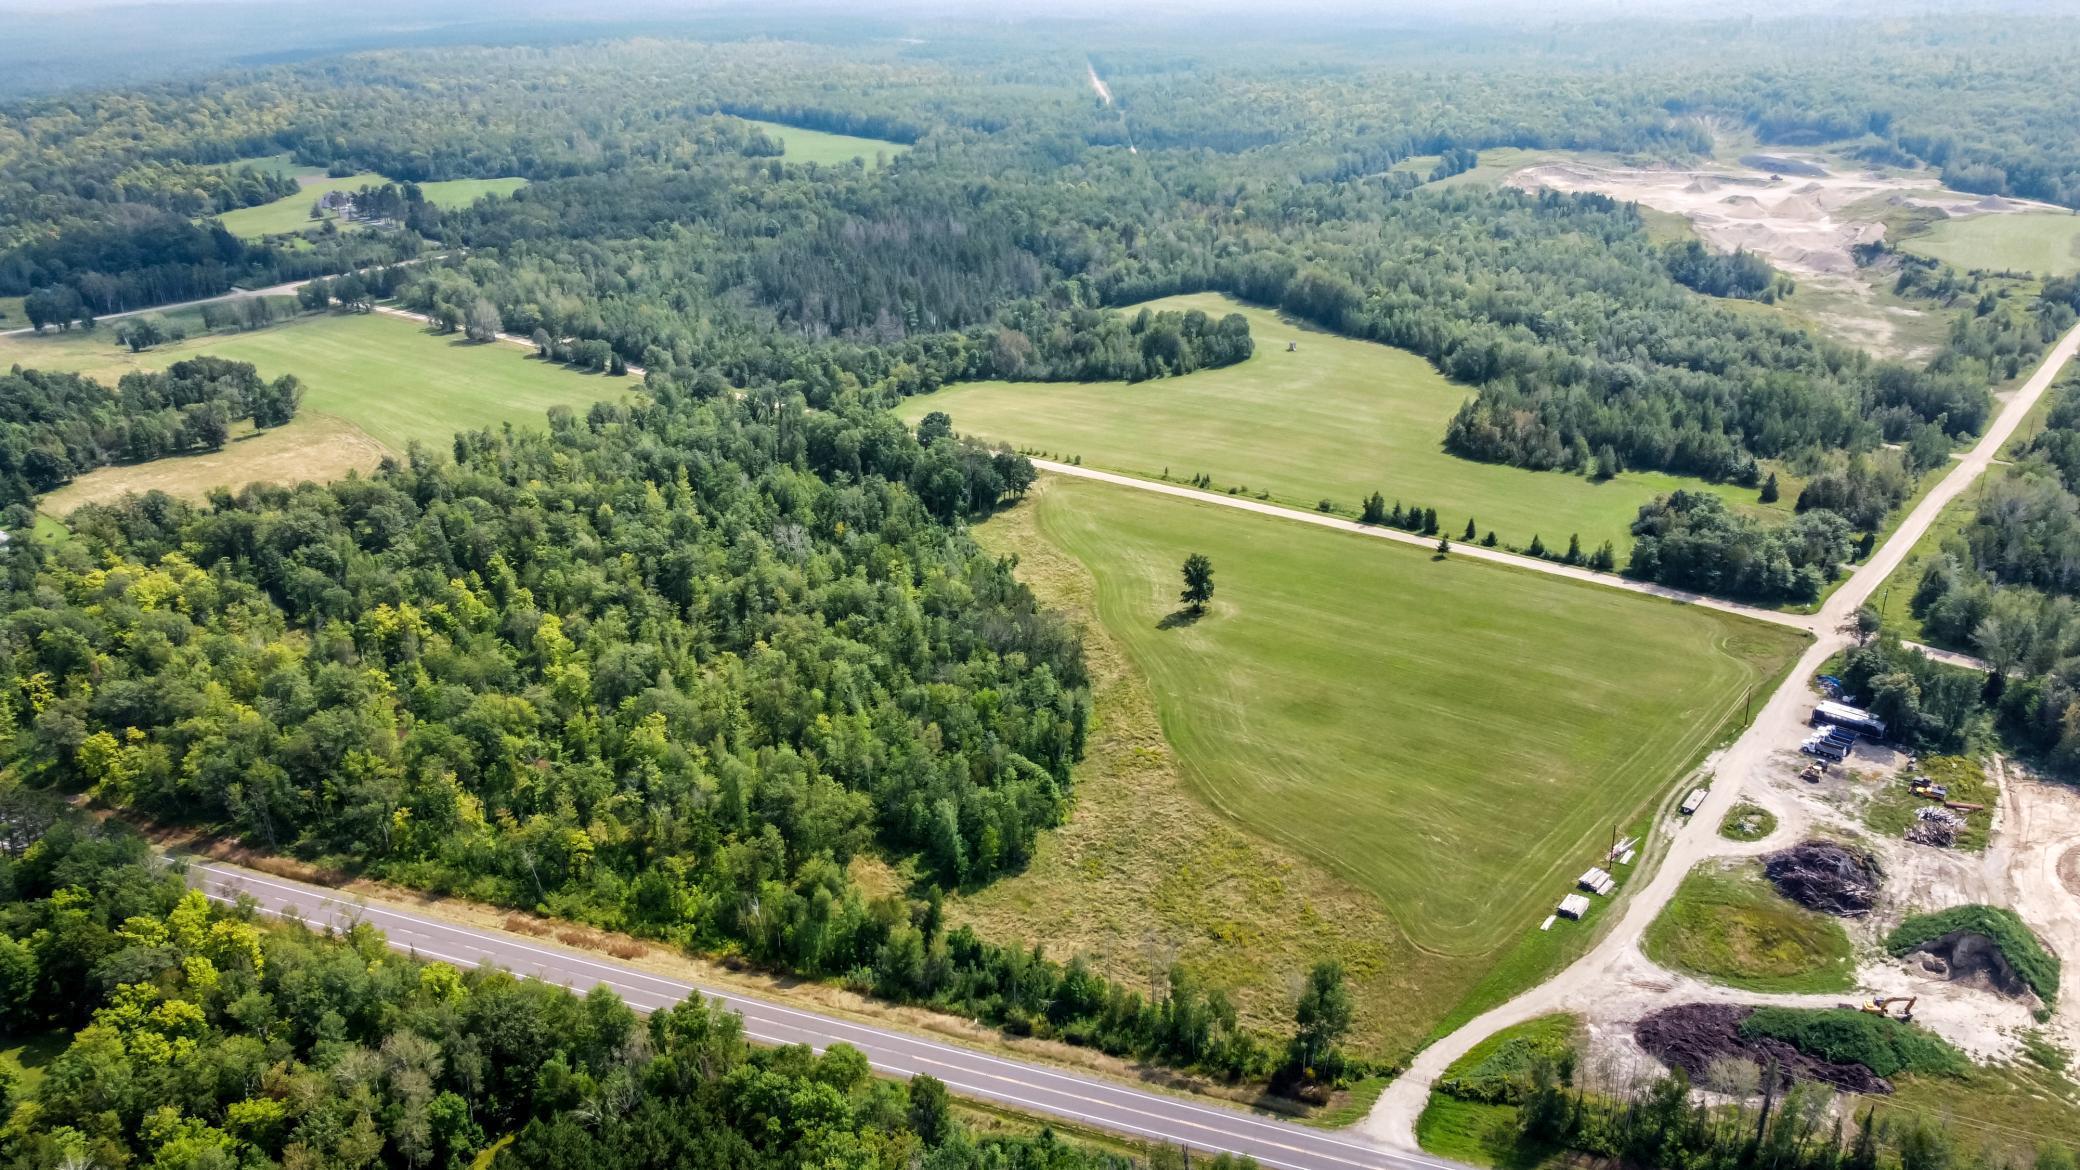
(1883, 1007)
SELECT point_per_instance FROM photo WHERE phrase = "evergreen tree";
(1769, 489)
(1375, 510)
(1537, 547)
(1467, 537)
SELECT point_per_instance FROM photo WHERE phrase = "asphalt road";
(1030, 1088)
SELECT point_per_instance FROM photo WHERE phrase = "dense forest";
(196, 1037)
(667, 668)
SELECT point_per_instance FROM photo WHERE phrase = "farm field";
(1337, 419)
(293, 213)
(2046, 243)
(816, 146)
(1381, 713)
(372, 384)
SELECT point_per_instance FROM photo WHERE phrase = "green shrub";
(1885, 1046)
(2023, 950)
(1748, 822)
(1497, 1071)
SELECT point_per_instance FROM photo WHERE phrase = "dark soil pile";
(1692, 1036)
(1826, 876)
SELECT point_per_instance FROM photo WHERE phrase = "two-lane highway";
(1028, 1087)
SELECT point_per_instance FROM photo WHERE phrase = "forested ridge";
(196, 1037)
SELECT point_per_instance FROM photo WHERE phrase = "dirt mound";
(1826, 876)
(2069, 871)
(1970, 958)
(1691, 1036)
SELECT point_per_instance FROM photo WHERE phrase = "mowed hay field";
(816, 146)
(1337, 419)
(2046, 243)
(1454, 739)
(372, 383)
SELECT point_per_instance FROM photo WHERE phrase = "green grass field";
(1727, 925)
(815, 146)
(373, 383)
(293, 213)
(1455, 738)
(2043, 242)
(1337, 420)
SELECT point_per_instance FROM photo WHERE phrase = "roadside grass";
(816, 146)
(26, 1057)
(1894, 597)
(1364, 705)
(1890, 812)
(1484, 1132)
(1481, 1135)
(1144, 873)
(2046, 243)
(1727, 925)
(1337, 419)
(372, 384)
(1747, 822)
(292, 213)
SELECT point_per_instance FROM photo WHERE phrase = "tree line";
(55, 427)
(194, 1036)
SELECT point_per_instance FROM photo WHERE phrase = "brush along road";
(1025, 1087)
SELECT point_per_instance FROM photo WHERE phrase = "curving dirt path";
(1392, 1120)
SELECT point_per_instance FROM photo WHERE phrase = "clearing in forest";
(1455, 738)
(2046, 243)
(372, 383)
(1333, 419)
(292, 213)
(817, 146)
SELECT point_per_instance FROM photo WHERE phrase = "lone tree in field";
(1322, 1017)
(1444, 546)
(1198, 582)
(1769, 489)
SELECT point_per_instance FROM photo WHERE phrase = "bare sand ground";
(1806, 226)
